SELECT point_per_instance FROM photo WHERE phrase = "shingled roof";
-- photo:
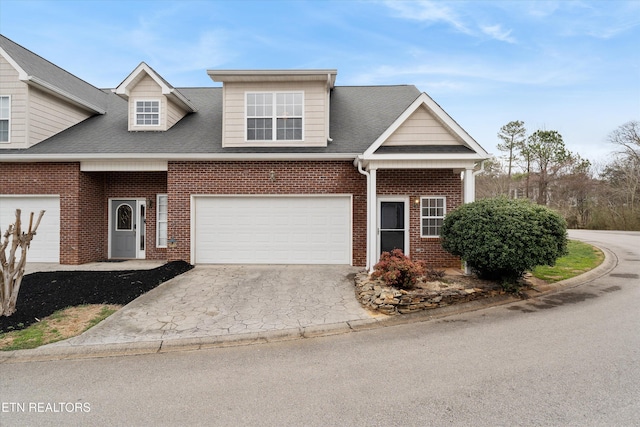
(36, 70)
(359, 115)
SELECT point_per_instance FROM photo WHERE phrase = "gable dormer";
(275, 108)
(154, 105)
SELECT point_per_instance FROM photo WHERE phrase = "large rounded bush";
(502, 238)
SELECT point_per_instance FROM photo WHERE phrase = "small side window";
(5, 118)
(161, 220)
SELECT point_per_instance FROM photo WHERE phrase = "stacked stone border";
(374, 294)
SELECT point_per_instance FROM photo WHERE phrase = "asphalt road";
(568, 359)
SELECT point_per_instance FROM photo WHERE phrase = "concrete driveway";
(231, 300)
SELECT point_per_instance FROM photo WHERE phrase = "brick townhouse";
(274, 166)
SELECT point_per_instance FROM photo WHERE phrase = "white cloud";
(428, 11)
(496, 32)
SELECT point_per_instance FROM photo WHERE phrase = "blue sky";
(570, 66)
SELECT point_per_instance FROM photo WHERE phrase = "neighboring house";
(275, 166)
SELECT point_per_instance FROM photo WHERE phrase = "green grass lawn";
(581, 258)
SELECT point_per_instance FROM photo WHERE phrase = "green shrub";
(501, 239)
(396, 269)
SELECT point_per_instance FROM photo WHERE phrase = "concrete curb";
(74, 352)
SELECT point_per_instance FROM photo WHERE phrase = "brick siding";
(291, 177)
(416, 183)
(84, 198)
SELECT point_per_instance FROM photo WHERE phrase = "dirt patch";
(44, 293)
(66, 323)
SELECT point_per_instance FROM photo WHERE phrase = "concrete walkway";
(230, 300)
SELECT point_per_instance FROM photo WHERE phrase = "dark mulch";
(41, 294)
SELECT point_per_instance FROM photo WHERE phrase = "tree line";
(538, 166)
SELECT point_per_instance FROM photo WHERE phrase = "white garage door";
(45, 246)
(272, 230)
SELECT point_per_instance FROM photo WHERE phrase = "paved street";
(566, 359)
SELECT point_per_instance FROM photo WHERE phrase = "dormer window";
(147, 113)
(283, 108)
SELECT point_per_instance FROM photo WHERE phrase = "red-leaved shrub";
(396, 269)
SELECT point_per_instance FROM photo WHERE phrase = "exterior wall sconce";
(172, 243)
(416, 202)
(272, 176)
(149, 203)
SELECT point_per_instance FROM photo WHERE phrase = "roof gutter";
(73, 157)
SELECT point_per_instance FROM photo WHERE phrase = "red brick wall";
(84, 203)
(84, 207)
(92, 221)
(139, 185)
(423, 182)
(291, 177)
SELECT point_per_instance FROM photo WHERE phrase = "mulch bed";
(43, 293)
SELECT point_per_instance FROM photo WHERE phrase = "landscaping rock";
(373, 294)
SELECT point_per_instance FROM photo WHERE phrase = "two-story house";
(275, 166)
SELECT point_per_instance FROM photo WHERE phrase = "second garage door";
(45, 246)
(272, 230)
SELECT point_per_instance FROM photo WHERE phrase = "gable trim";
(439, 114)
(124, 88)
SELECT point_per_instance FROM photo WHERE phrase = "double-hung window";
(432, 212)
(147, 113)
(274, 116)
(161, 221)
(5, 118)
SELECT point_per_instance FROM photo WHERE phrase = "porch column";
(372, 239)
(469, 195)
(469, 182)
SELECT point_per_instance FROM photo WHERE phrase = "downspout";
(358, 162)
(481, 170)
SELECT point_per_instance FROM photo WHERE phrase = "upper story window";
(147, 113)
(432, 212)
(5, 117)
(279, 110)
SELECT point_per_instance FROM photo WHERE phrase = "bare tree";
(627, 138)
(493, 182)
(12, 272)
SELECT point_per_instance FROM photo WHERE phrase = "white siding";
(148, 89)
(17, 90)
(315, 105)
(422, 128)
(49, 116)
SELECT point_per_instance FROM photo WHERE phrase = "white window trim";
(135, 112)
(423, 217)
(8, 119)
(158, 221)
(274, 117)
